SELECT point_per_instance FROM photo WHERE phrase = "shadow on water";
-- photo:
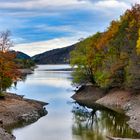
(90, 124)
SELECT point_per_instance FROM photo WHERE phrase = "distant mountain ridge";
(56, 56)
(21, 55)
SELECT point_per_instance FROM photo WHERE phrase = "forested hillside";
(111, 58)
(56, 56)
(21, 55)
(22, 60)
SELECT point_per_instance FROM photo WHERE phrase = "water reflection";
(60, 123)
(96, 125)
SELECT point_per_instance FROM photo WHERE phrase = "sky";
(41, 25)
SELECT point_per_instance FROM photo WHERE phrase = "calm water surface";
(65, 120)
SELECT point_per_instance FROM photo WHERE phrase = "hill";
(56, 56)
(23, 60)
(21, 55)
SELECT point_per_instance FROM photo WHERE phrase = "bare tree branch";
(5, 41)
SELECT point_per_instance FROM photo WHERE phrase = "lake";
(65, 120)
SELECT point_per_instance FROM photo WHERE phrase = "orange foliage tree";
(8, 69)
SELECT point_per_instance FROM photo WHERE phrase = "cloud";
(48, 24)
(42, 46)
(63, 4)
(131, 1)
(109, 4)
(61, 28)
(34, 8)
(28, 13)
(64, 28)
(39, 4)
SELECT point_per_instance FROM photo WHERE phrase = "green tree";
(82, 57)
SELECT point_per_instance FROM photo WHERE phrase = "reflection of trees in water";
(22, 78)
(96, 125)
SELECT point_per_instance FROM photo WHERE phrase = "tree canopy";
(8, 69)
(111, 58)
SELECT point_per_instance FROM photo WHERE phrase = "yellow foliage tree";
(138, 44)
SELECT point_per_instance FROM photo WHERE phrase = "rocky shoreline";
(115, 99)
(15, 109)
(26, 71)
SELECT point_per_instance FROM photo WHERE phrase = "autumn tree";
(111, 58)
(8, 70)
(138, 44)
(82, 57)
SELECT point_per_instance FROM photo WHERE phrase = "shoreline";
(26, 71)
(116, 99)
(15, 109)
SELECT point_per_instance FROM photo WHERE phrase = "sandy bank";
(15, 109)
(115, 100)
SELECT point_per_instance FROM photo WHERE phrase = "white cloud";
(66, 28)
(62, 28)
(38, 4)
(63, 4)
(27, 14)
(107, 4)
(42, 46)
(131, 1)
(32, 8)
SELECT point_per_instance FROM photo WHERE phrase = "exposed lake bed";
(15, 109)
(123, 101)
(66, 120)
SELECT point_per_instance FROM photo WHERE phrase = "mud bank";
(117, 100)
(15, 109)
